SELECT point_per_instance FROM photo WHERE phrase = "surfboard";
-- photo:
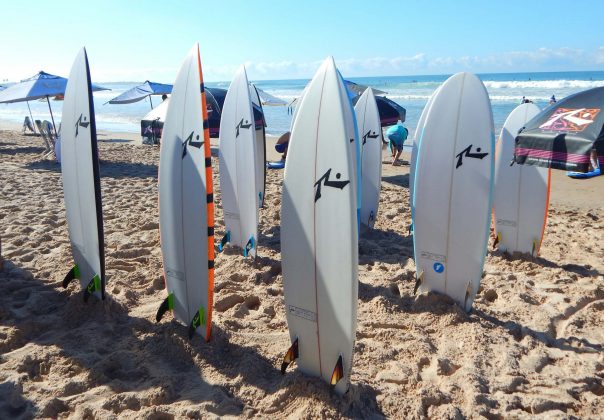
(319, 238)
(418, 133)
(238, 170)
(82, 182)
(260, 150)
(370, 133)
(521, 193)
(355, 148)
(453, 190)
(186, 202)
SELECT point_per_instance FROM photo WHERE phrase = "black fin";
(165, 306)
(73, 274)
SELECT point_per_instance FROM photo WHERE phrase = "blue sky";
(138, 40)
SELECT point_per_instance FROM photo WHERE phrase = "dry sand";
(533, 344)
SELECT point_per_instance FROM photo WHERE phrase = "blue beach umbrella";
(42, 85)
(140, 92)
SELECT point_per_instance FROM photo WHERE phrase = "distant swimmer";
(552, 100)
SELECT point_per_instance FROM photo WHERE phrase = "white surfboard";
(260, 150)
(453, 189)
(82, 181)
(521, 194)
(319, 233)
(238, 166)
(186, 206)
(418, 133)
(352, 132)
(370, 134)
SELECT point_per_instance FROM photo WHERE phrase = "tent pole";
(33, 123)
(150, 100)
(51, 117)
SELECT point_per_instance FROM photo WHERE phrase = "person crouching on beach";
(397, 134)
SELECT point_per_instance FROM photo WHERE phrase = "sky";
(131, 40)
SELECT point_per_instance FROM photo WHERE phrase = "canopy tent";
(152, 123)
(358, 90)
(140, 92)
(390, 112)
(42, 85)
(268, 99)
(563, 135)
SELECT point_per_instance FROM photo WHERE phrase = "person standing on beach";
(397, 134)
(282, 144)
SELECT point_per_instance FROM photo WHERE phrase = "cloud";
(541, 59)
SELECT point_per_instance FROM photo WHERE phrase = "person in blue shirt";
(397, 134)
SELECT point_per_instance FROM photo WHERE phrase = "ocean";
(412, 92)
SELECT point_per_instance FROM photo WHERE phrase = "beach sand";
(533, 345)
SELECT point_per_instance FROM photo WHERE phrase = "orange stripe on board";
(549, 179)
(210, 209)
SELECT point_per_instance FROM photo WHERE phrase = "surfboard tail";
(291, 355)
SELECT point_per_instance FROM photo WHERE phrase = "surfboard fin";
(166, 305)
(418, 282)
(291, 355)
(497, 240)
(465, 300)
(198, 320)
(93, 286)
(534, 248)
(260, 200)
(251, 243)
(73, 274)
(225, 239)
(338, 372)
(411, 229)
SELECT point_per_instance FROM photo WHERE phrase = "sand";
(533, 345)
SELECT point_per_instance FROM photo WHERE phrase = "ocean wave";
(544, 84)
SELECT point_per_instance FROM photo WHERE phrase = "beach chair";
(28, 126)
(44, 136)
(49, 134)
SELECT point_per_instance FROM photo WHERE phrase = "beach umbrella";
(140, 92)
(42, 85)
(214, 99)
(563, 135)
(268, 99)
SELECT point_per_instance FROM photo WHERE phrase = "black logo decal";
(466, 152)
(242, 125)
(328, 183)
(81, 122)
(370, 135)
(189, 141)
(352, 140)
